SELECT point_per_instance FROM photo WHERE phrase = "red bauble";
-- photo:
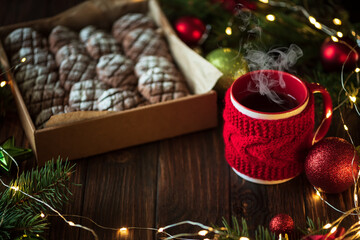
(328, 165)
(190, 29)
(334, 55)
(281, 223)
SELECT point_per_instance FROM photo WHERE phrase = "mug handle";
(327, 112)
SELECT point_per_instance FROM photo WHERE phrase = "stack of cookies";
(94, 70)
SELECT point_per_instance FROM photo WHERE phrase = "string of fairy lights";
(353, 231)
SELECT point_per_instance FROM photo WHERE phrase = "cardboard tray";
(81, 134)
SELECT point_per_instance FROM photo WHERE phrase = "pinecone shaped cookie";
(28, 76)
(115, 99)
(42, 97)
(45, 115)
(35, 56)
(144, 42)
(73, 48)
(24, 37)
(83, 95)
(149, 62)
(100, 44)
(61, 36)
(76, 68)
(116, 70)
(158, 86)
(129, 22)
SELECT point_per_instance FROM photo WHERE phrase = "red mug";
(269, 147)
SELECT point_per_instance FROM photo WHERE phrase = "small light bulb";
(71, 223)
(203, 232)
(210, 229)
(244, 238)
(264, 1)
(23, 60)
(335, 39)
(312, 20)
(327, 226)
(357, 70)
(161, 230)
(355, 197)
(228, 31)
(318, 25)
(328, 114)
(333, 230)
(340, 34)
(42, 215)
(15, 188)
(352, 98)
(2, 83)
(353, 33)
(318, 193)
(270, 17)
(337, 21)
(345, 127)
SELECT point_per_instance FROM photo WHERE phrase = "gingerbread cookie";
(76, 68)
(145, 42)
(115, 99)
(87, 31)
(129, 22)
(73, 48)
(61, 36)
(100, 44)
(28, 76)
(45, 115)
(148, 62)
(83, 95)
(116, 70)
(158, 86)
(42, 97)
(35, 56)
(24, 37)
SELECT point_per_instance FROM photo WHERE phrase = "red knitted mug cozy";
(267, 149)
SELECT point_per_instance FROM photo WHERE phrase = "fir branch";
(263, 233)
(313, 228)
(21, 214)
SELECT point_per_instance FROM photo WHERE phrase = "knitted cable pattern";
(267, 149)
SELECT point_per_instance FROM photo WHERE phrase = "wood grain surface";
(160, 183)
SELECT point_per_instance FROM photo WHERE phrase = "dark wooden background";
(160, 183)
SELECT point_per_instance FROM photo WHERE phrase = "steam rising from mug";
(281, 59)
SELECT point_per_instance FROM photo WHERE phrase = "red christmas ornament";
(281, 223)
(330, 236)
(328, 165)
(190, 29)
(335, 54)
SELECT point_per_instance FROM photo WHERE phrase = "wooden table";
(164, 182)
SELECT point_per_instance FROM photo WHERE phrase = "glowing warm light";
(270, 17)
(353, 33)
(337, 21)
(328, 114)
(346, 128)
(357, 70)
(264, 1)
(318, 193)
(71, 223)
(42, 215)
(244, 238)
(161, 230)
(352, 98)
(2, 83)
(23, 60)
(203, 232)
(15, 188)
(333, 229)
(335, 39)
(123, 229)
(228, 31)
(210, 229)
(312, 20)
(327, 226)
(355, 198)
(318, 25)
(340, 34)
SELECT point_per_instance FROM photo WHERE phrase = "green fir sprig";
(19, 213)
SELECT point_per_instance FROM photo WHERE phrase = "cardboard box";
(81, 134)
